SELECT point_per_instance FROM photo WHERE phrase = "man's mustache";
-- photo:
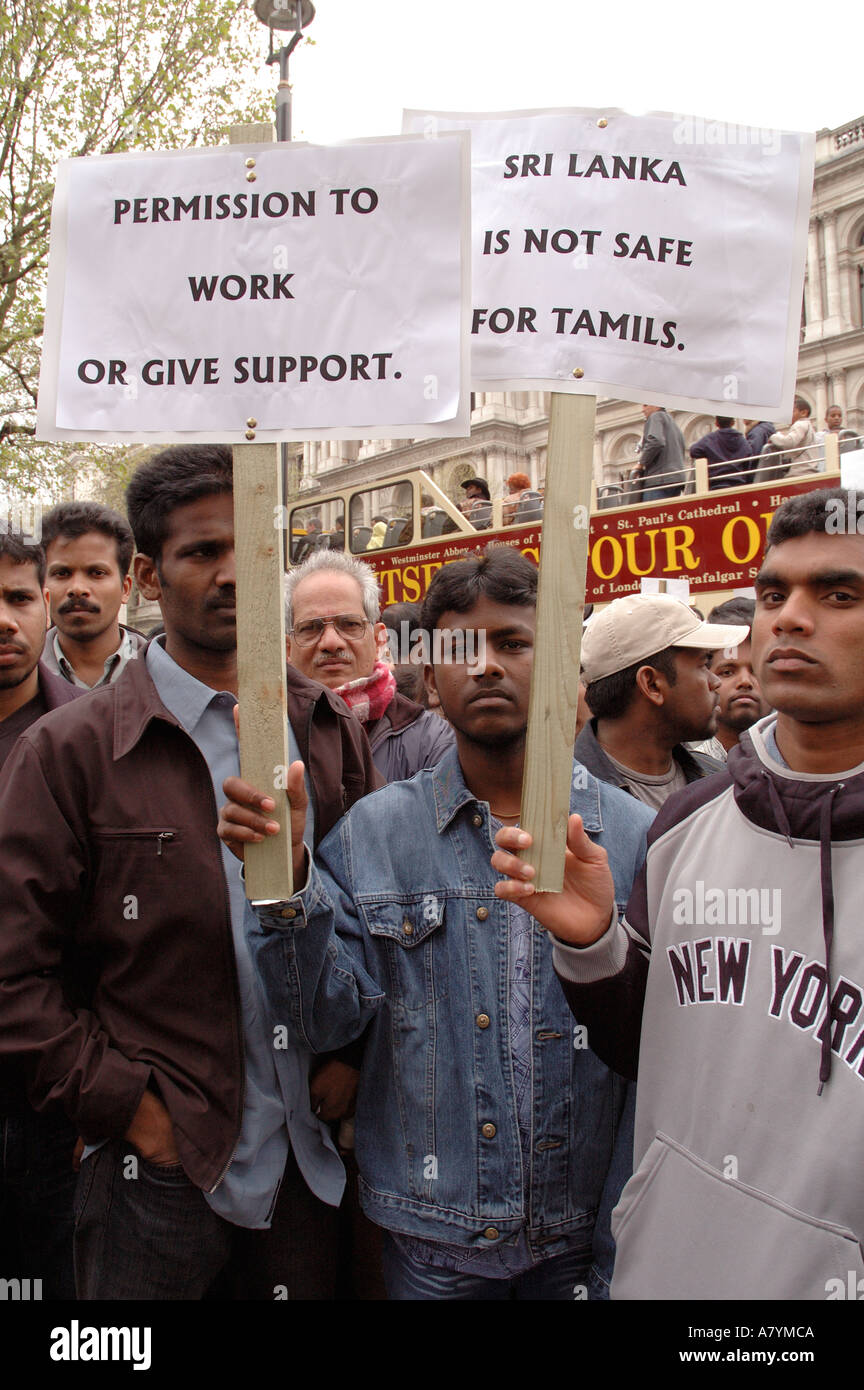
(78, 605)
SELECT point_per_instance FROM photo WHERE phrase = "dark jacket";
(53, 692)
(407, 738)
(721, 448)
(757, 437)
(588, 751)
(661, 458)
(117, 965)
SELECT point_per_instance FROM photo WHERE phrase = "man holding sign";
(736, 978)
(488, 1135)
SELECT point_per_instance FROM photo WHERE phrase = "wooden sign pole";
(262, 694)
(558, 644)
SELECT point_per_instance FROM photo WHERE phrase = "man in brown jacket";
(125, 984)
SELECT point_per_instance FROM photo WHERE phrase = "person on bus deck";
(739, 699)
(834, 425)
(491, 1143)
(723, 448)
(126, 989)
(757, 434)
(646, 663)
(523, 503)
(798, 443)
(661, 456)
(478, 503)
(88, 551)
(335, 636)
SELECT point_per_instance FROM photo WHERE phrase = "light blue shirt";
(276, 1109)
(769, 738)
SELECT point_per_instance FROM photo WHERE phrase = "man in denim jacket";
(489, 1136)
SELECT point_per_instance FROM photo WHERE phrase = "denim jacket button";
(488, 1131)
(288, 912)
(482, 1020)
(477, 820)
(482, 914)
(408, 927)
(491, 1233)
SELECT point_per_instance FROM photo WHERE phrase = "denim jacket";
(398, 928)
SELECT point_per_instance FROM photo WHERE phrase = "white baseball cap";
(636, 627)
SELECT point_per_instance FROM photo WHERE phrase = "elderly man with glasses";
(335, 636)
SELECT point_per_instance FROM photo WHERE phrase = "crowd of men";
(678, 1037)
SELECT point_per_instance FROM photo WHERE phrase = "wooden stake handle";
(264, 748)
(560, 600)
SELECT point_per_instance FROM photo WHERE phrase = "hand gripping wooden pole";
(560, 600)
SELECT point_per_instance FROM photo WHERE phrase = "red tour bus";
(406, 528)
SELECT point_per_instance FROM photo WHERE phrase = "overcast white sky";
(757, 62)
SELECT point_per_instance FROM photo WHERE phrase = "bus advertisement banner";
(715, 541)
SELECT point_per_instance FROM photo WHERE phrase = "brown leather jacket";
(117, 963)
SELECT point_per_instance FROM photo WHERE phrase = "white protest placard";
(314, 292)
(659, 256)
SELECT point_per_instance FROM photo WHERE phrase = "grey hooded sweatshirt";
(743, 932)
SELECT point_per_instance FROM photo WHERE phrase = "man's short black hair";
(397, 613)
(500, 574)
(174, 478)
(737, 612)
(611, 696)
(807, 513)
(73, 519)
(22, 552)
(724, 422)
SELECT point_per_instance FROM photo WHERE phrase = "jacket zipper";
(158, 835)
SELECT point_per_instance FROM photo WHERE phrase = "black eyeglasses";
(307, 633)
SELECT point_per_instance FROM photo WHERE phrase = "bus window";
(319, 526)
(381, 518)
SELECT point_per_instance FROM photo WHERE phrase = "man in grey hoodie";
(737, 975)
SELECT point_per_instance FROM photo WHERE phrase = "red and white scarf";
(369, 696)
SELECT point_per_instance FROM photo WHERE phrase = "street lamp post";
(293, 16)
(286, 15)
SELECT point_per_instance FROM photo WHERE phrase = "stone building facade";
(509, 430)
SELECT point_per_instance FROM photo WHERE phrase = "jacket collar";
(55, 690)
(450, 791)
(401, 712)
(800, 793)
(451, 794)
(590, 753)
(136, 702)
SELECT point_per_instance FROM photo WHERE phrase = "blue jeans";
(37, 1187)
(143, 1230)
(659, 494)
(561, 1278)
